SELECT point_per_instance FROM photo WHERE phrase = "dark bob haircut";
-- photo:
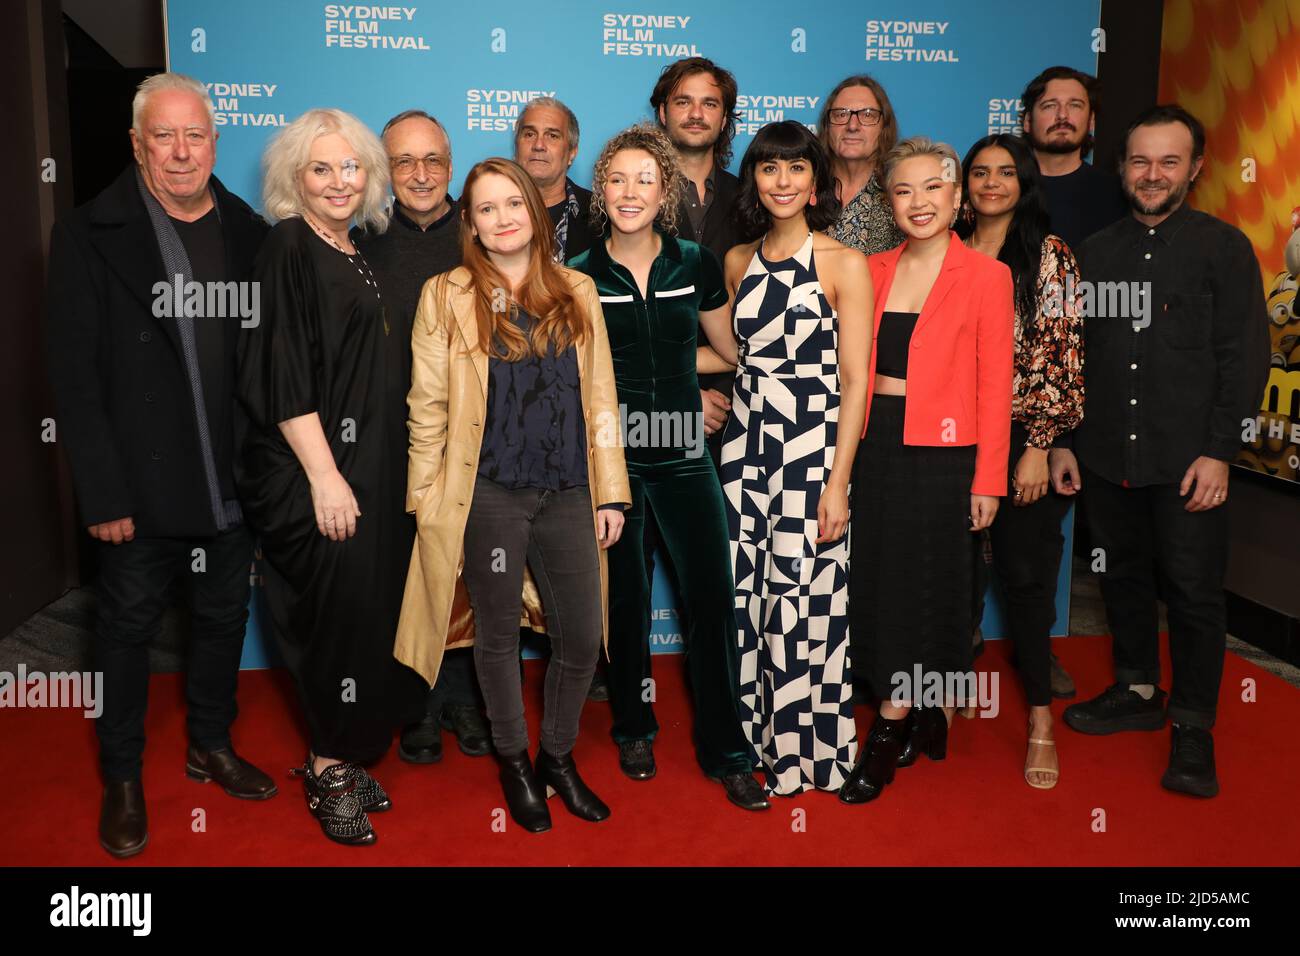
(787, 141)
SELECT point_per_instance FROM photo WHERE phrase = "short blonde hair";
(655, 141)
(168, 81)
(915, 146)
(290, 149)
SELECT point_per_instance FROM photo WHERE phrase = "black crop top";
(892, 343)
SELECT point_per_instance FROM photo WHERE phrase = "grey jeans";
(551, 532)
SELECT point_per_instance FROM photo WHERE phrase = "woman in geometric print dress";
(801, 309)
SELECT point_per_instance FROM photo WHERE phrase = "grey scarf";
(226, 514)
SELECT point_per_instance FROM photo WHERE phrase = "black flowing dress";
(321, 345)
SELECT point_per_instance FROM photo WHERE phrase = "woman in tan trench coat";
(514, 438)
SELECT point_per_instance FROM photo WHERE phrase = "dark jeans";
(551, 532)
(134, 578)
(1027, 546)
(1148, 539)
(681, 500)
(455, 684)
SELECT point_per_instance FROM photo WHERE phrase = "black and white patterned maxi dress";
(791, 593)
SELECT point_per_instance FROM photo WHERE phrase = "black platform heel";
(560, 775)
(927, 733)
(525, 795)
(879, 759)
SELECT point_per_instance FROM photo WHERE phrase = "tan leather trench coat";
(448, 405)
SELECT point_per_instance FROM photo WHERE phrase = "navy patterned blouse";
(535, 434)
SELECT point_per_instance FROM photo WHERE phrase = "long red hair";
(545, 293)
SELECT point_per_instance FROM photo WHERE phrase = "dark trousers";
(134, 578)
(1027, 546)
(1148, 540)
(551, 532)
(682, 501)
(456, 684)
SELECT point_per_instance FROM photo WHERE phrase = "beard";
(1173, 199)
(1057, 145)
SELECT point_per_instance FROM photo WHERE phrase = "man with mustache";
(1059, 118)
(546, 143)
(1169, 383)
(422, 240)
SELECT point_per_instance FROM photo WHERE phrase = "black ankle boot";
(525, 795)
(560, 774)
(876, 765)
(927, 733)
(332, 800)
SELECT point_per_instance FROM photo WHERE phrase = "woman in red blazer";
(931, 466)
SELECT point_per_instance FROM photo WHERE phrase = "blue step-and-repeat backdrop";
(953, 69)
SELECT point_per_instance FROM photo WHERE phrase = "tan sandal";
(1055, 772)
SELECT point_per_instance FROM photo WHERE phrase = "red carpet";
(972, 809)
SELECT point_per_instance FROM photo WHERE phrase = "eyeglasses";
(867, 116)
(405, 165)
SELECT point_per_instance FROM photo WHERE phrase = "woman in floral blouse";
(858, 128)
(1004, 216)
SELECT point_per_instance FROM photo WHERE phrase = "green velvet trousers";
(684, 500)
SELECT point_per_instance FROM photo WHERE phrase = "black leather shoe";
(560, 775)
(123, 824)
(332, 800)
(875, 768)
(1061, 681)
(237, 776)
(1191, 763)
(1117, 708)
(926, 733)
(465, 721)
(525, 795)
(636, 758)
(421, 742)
(743, 790)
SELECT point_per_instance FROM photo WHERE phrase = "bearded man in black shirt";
(1172, 378)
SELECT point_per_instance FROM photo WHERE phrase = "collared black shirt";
(535, 433)
(698, 208)
(1162, 396)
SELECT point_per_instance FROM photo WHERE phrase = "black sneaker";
(1191, 763)
(471, 730)
(421, 742)
(1117, 708)
(743, 790)
(636, 758)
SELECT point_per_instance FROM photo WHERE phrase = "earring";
(812, 200)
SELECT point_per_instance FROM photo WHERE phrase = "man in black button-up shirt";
(1176, 341)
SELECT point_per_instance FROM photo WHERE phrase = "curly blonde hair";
(654, 141)
(290, 149)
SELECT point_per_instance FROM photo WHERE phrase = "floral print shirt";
(867, 223)
(1047, 394)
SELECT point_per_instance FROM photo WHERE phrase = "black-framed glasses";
(867, 116)
(405, 165)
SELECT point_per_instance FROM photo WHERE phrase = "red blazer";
(960, 364)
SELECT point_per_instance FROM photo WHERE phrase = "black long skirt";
(912, 555)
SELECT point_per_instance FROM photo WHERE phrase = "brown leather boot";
(237, 776)
(123, 826)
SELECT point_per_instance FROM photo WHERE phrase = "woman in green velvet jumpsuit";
(657, 292)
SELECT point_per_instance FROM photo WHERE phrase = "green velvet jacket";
(653, 338)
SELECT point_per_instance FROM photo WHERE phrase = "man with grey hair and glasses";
(144, 392)
(423, 240)
(546, 143)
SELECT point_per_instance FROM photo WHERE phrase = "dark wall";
(38, 556)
